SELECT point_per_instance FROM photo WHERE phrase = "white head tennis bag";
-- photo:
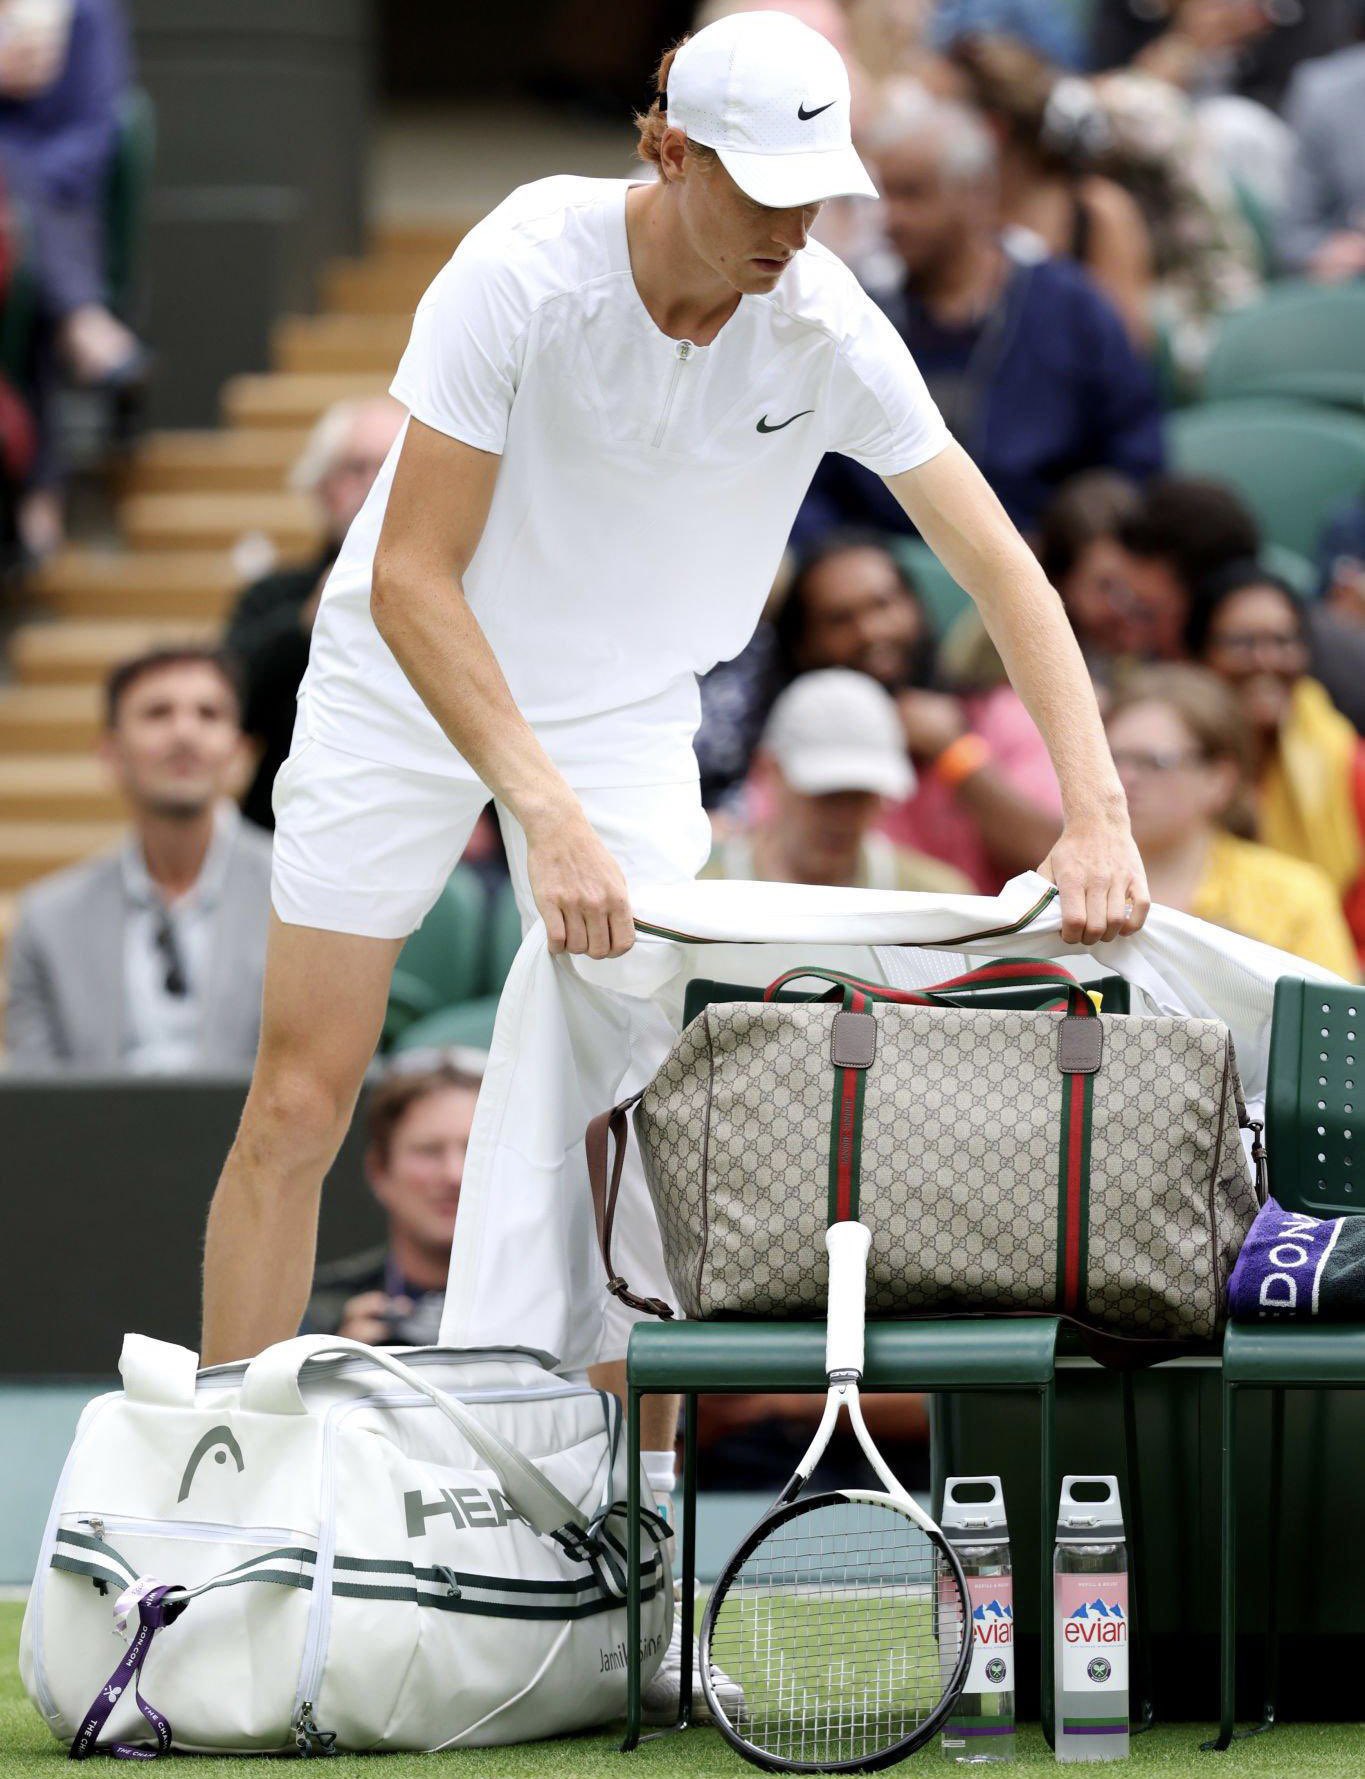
(330, 1548)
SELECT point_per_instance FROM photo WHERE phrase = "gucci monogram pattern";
(961, 1122)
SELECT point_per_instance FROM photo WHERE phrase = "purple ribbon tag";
(155, 1608)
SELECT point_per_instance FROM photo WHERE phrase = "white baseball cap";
(839, 730)
(771, 96)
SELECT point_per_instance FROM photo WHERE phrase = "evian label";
(992, 1605)
(1092, 1616)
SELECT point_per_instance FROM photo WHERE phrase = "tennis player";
(618, 393)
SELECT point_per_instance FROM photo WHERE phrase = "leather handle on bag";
(957, 990)
(604, 1182)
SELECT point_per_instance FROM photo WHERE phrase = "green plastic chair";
(1303, 341)
(442, 963)
(690, 1358)
(1292, 462)
(468, 1026)
(1315, 1121)
(942, 598)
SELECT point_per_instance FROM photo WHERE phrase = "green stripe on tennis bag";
(329, 1548)
(1053, 1161)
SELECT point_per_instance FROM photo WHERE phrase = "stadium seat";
(942, 598)
(441, 964)
(689, 1358)
(1292, 462)
(125, 201)
(466, 1026)
(504, 939)
(1305, 341)
(1317, 1091)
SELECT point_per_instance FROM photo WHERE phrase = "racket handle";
(847, 1245)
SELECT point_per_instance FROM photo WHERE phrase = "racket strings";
(842, 1630)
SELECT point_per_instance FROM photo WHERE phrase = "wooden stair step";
(241, 461)
(57, 787)
(292, 399)
(440, 235)
(218, 521)
(348, 343)
(49, 719)
(365, 287)
(29, 850)
(112, 584)
(79, 650)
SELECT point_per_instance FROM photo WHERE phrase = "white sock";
(661, 1473)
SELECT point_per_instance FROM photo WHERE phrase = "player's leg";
(362, 850)
(325, 995)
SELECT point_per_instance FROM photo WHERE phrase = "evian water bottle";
(981, 1727)
(1090, 1610)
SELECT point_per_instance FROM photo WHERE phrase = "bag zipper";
(197, 1530)
(320, 1610)
(682, 351)
(46, 1703)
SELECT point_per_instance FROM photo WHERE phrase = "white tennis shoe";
(659, 1699)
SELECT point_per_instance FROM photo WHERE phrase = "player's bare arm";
(1094, 864)
(432, 526)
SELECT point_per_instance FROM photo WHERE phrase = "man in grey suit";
(1322, 225)
(150, 958)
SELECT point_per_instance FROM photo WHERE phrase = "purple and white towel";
(1296, 1268)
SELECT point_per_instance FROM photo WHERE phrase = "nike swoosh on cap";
(764, 427)
(806, 116)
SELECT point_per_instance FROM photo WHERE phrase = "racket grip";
(847, 1245)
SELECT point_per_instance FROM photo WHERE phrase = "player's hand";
(371, 1316)
(578, 888)
(1102, 884)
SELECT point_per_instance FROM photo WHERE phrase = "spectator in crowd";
(986, 798)
(1183, 753)
(151, 958)
(1308, 763)
(417, 1125)
(1052, 131)
(831, 758)
(1029, 362)
(1079, 548)
(1335, 620)
(64, 66)
(1322, 225)
(272, 622)
(1244, 46)
(1047, 29)
(1186, 529)
(735, 696)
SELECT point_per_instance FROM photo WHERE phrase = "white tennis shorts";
(362, 847)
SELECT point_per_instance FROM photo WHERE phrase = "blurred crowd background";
(1125, 242)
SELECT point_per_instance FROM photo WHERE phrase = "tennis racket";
(842, 1620)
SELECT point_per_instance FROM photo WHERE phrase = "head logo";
(1099, 1670)
(221, 1437)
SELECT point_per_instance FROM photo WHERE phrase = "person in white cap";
(832, 754)
(617, 395)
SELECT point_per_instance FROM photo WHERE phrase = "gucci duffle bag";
(1007, 1159)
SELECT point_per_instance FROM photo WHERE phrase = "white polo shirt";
(647, 486)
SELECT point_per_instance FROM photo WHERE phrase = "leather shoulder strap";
(604, 1181)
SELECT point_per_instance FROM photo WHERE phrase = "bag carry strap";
(957, 991)
(271, 1386)
(602, 1131)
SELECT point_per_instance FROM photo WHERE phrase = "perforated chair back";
(1315, 1109)
(442, 963)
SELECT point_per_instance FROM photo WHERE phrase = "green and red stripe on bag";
(1007, 1160)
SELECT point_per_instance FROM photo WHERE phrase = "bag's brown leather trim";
(853, 1040)
(1080, 1045)
(602, 1130)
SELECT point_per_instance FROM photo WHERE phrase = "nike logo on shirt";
(764, 427)
(806, 116)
